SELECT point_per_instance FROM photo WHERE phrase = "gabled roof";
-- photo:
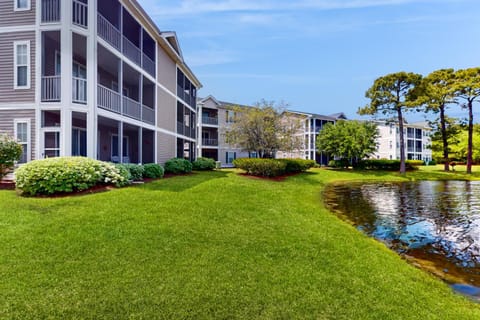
(172, 40)
(209, 97)
(339, 115)
(313, 115)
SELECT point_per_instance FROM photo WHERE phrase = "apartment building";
(215, 116)
(417, 137)
(94, 78)
(312, 124)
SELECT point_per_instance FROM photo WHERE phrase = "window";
(22, 134)
(21, 5)
(22, 64)
(230, 157)
(230, 116)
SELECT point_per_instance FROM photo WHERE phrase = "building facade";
(417, 141)
(215, 116)
(94, 78)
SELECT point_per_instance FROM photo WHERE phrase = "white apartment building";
(95, 78)
(417, 137)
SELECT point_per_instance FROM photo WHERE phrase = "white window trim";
(15, 65)
(29, 133)
(16, 8)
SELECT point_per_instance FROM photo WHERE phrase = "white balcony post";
(140, 145)
(66, 74)
(92, 130)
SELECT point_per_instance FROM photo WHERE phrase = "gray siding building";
(94, 78)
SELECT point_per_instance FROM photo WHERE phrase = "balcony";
(209, 120)
(148, 115)
(109, 32)
(51, 88)
(132, 108)
(80, 13)
(131, 51)
(148, 65)
(210, 142)
(50, 11)
(108, 99)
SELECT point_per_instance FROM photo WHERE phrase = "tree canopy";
(392, 95)
(350, 140)
(262, 129)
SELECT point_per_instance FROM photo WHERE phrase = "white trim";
(29, 135)
(17, 106)
(16, 44)
(18, 29)
(17, 8)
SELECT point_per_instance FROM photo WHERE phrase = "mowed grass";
(213, 245)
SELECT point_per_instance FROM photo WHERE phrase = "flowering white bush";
(66, 174)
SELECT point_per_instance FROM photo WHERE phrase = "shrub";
(123, 171)
(415, 163)
(297, 165)
(136, 171)
(178, 166)
(340, 163)
(261, 167)
(204, 164)
(10, 151)
(432, 163)
(66, 174)
(152, 171)
(382, 164)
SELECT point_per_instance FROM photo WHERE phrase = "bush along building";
(417, 141)
(214, 117)
(94, 78)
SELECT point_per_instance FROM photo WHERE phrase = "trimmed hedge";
(153, 171)
(386, 165)
(272, 167)
(342, 163)
(66, 174)
(203, 164)
(135, 170)
(178, 166)
(298, 165)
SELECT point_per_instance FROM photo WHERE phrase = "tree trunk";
(402, 141)
(470, 137)
(443, 130)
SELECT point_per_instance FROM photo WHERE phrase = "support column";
(66, 79)
(92, 122)
(140, 145)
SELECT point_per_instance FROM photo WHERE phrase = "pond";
(433, 224)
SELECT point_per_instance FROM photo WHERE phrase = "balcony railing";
(108, 99)
(132, 51)
(108, 32)
(80, 13)
(50, 11)
(210, 142)
(132, 108)
(148, 65)
(79, 90)
(148, 115)
(51, 88)
(209, 120)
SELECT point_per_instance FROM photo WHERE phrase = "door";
(50, 143)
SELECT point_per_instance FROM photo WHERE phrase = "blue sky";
(317, 56)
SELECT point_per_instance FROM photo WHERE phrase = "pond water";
(434, 224)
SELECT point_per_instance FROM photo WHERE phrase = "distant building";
(215, 116)
(417, 141)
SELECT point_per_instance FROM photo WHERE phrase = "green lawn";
(209, 245)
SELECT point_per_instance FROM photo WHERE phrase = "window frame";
(26, 121)
(17, 8)
(16, 44)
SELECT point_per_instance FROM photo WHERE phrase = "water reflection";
(434, 221)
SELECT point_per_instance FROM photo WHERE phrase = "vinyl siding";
(9, 17)
(166, 147)
(7, 124)
(167, 71)
(7, 93)
(167, 111)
